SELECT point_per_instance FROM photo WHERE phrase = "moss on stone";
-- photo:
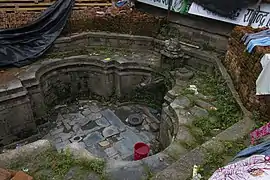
(54, 165)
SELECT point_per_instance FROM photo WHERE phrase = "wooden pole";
(169, 9)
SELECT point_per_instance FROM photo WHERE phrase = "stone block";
(102, 122)
(93, 138)
(185, 136)
(113, 119)
(154, 127)
(181, 102)
(199, 112)
(111, 152)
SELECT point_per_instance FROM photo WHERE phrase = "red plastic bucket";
(141, 150)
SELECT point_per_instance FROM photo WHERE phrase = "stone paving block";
(59, 117)
(65, 136)
(116, 157)
(110, 131)
(154, 127)
(124, 147)
(113, 119)
(93, 138)
(57, 131)
(89, 131)
(97, 151)
(86, 112)
(102, 122)
(83, 121)
(146, 136)
(72, 116)
(72, 122)
(94, 108)
(67, 126)
(131, 136)
(94, 116)
(76, 128)
(111, 152)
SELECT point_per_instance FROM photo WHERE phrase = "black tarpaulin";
(22, 46)
(226, 8)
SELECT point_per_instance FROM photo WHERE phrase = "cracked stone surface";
(103, 129)
(110, 131)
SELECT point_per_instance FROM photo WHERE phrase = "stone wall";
(15, 111)
(104, 39)
(48, 82)
(84, 77)
(196, 58)
(244, 69)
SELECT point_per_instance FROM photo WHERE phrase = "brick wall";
(95, 19)
(244, 69)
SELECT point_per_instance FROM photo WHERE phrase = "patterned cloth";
(256, 167)
(259, 133)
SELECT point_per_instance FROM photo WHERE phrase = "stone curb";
(26, 151)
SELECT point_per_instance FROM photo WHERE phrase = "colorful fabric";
(256, 167)
(259, 133)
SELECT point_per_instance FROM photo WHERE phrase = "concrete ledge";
(26, 151)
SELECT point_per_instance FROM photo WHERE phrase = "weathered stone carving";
(172, 53)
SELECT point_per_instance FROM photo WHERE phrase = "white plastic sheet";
(263, 81)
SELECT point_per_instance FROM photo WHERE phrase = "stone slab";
(131, 136)
(102, 122)
(86, 112)
(94, 108)
(124, 147)
(113, 119)
(93, 138)
(110, 131)
(111, 152)
(97, 151)
(94, 116)
(199, 112)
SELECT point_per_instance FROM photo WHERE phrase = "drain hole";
(135, 119)
(77, 138)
